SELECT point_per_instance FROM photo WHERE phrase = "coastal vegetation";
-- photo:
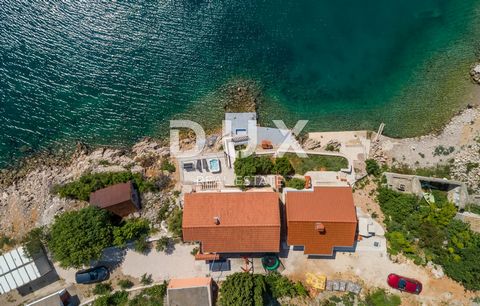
(372, 167)
(287, 165)
(424, 232)
(174, 222)
(376, 297)
(257, 289)
(91, 182)
(34, 241)
(296, 183)
(316, 163)
(102, 288)
(130, 230)
(78, 237)
(438, 171)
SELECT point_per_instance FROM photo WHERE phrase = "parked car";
(404, 283)
(92, 275)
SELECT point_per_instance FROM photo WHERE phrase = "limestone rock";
(475, 73)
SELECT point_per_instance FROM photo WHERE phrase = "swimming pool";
(214, 165)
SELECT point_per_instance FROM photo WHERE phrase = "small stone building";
(190, 291)
(120, 199)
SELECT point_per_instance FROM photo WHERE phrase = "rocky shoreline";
(456, 146)
(26, 200)
(475, 73)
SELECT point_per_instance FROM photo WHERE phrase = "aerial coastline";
(240, 153)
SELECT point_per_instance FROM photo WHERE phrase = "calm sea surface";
(111, 72)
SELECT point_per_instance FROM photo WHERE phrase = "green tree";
(398, 243)
(245, 166)
(34, 241)
(372, 167)
(283, 166)
(78, 237)
(263, 165)
(130, 230)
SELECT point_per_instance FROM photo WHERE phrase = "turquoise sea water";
(111, 72)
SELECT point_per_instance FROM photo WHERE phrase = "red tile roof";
(189, 282)
(323, 203)
(249, 222)
(328, 208)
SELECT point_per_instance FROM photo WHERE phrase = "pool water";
(214, 165)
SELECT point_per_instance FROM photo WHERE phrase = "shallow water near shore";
(111, 73)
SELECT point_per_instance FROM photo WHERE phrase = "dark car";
(406, 284)
(92, 275)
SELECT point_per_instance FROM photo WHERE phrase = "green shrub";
(168, 166)
(34, 241)
(381, 298)
(119, 298)
(89, 183)
(164, 210)
(7, 241)
(195, 251)
(102, 288)
(141, 245)
(372, 167)
(146, 279)
(263, 165)
(280, 286)
(78, 237)
(174, 222)
(256, 289)
(428, 232)
(283, 166)
(242, 289)
(296, 183)
(245, 166)
(152, 296)
(471, 166)
(130, 230)
(125, 283)
(163, 243)
(441, 150)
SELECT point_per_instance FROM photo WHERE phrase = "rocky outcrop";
(241, 96)
(466, 166)
(475, 73)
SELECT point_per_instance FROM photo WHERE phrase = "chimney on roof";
(320, 227)
(216, 220)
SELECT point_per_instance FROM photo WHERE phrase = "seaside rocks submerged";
(475, 73)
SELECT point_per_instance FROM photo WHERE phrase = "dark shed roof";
(112, 195)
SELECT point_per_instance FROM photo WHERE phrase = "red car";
(404, 283)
